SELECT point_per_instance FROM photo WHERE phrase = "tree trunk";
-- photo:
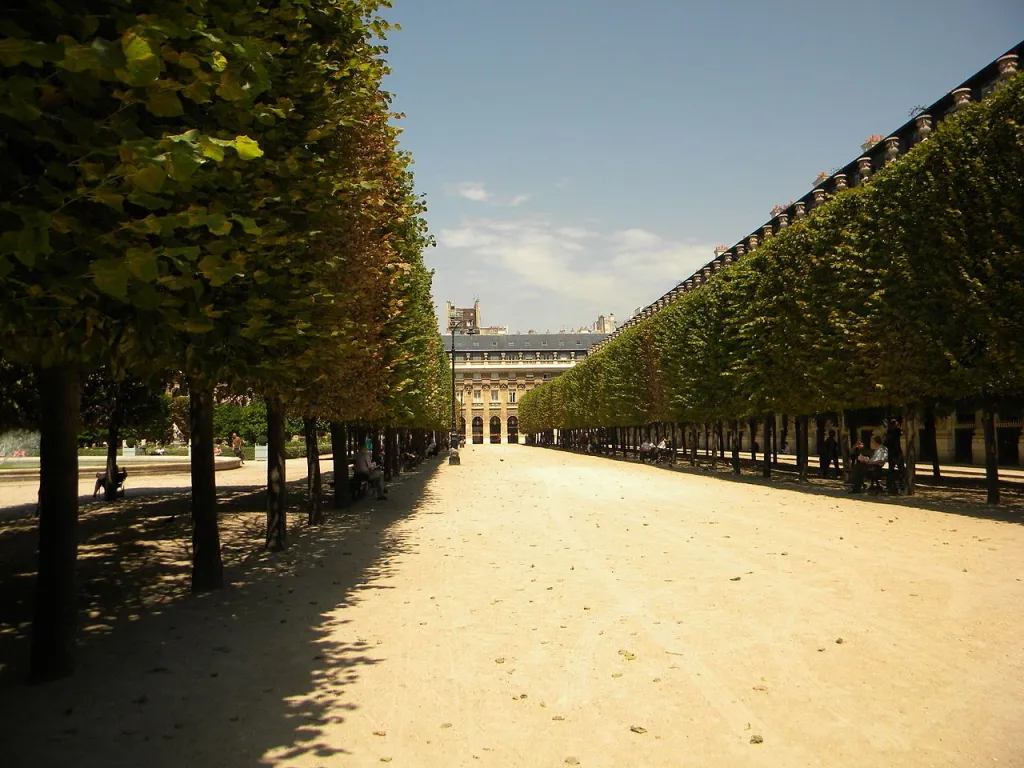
(735, 446)
(113, 437)
(339, 453)
(54, 623)
(753, 440)
(207, 567)
(775, 442)
(693, 446)
(277, 524)
(804, 443)
(988, 423)
(933, 440)
(766, 470)
(711, 438)
(844, 442)
(910, 452)
(314, 489)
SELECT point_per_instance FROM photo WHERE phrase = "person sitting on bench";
(871, 467)
(365, 470)
(664, 452)
(101, 482)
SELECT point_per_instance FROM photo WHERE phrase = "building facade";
(493, 372)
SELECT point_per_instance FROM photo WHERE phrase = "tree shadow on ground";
(243, 677)
(956, 496)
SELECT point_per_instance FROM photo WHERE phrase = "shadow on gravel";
(238, 678)
(956, 496)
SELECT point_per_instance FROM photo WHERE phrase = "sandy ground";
(536, 608)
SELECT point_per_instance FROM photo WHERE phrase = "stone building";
(493, 372)
(465, 317)
(605, 324)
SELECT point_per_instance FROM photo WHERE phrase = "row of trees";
(208, 194)
(904, 293)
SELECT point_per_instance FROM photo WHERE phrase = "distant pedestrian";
(236, 446)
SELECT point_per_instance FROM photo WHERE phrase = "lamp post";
(470, 330)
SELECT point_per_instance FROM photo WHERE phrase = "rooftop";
(533, 342)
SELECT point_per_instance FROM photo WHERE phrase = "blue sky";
(582, 156)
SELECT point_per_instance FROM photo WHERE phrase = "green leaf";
(150, 179)
(218, 63)
(111, 277)
(14, 52)
(165, 103)
(109, 199)
(230, 89)
(218, 224)
(247, 148)
(80, 58)
(200, 324)
(248, 225)
(142, 65)
(142, 263)
(211, 148)
(182, 165)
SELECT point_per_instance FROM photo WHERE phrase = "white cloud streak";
(586, 271)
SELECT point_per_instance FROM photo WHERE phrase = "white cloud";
(478, 192)
(473, 190)
(579, 272)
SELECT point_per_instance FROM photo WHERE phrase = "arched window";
(513, 429)
(495, 429)
(478, 430)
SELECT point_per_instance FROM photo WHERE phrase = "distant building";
(604, 324)
(462, 318)
(493, 372)
(465, 318)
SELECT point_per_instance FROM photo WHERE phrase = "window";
(476, 377)
(477, 396)
(511, 395)
(512, 376)
(494, 395)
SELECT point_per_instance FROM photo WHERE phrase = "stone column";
(753, 242)
(504, 413)
(783, 220)
(767, 231)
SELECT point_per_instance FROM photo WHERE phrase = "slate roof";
(524, 342)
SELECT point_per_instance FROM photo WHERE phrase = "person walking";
(830, 454)
(236, 446)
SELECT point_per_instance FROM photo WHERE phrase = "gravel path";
(536, 608)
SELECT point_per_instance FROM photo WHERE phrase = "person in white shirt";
(869, 466)
(365, 469)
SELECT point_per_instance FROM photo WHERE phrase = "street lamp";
(470, 330)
